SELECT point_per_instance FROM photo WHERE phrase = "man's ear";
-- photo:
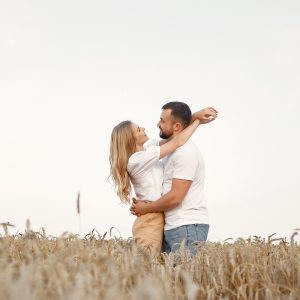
(177, 126)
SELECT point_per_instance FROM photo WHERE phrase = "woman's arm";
(202, 116)
(178, 140)
(161, 142)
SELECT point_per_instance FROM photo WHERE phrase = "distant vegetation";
(36, 266)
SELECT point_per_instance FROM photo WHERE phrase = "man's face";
(165, 124)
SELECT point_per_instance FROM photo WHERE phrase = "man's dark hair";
(180, 111)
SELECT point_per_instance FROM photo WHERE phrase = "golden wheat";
(36, 266)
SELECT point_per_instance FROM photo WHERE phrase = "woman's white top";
(146, 172)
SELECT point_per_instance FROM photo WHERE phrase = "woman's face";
(139, 134)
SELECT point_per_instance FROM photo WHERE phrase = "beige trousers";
(148, 231)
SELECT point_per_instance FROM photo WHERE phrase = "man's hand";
(205, 115)
(139, 207)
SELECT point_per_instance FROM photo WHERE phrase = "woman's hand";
(205, 115)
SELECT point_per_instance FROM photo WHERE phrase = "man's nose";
(158, 123)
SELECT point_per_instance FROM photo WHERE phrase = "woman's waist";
(150, 219)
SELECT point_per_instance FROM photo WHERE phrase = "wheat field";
(36, 266)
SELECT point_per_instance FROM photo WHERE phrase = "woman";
(134, 163)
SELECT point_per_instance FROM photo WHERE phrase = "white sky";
(71, 70)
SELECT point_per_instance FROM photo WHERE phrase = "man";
(186, 216)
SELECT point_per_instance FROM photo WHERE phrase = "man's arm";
(168, 201)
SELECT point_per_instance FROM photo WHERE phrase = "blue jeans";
(189, 233)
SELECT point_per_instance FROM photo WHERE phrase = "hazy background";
(71, 70)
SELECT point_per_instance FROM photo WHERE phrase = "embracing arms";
(179, 187)
(168, 201)
(202, 116)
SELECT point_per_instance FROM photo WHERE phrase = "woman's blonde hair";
(122, 146)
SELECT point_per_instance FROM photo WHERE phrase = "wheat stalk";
(78, 213)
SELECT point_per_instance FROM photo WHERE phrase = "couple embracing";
(167, 177)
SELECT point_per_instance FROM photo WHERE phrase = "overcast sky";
(71, 70)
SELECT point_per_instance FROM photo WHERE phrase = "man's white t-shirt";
(146, 172)
(186, 163)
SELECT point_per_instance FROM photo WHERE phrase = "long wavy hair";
(122, 146)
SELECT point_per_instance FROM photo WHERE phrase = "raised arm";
(179, 139)
(202, 116)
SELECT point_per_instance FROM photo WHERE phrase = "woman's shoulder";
(144, 157)
(135, 157)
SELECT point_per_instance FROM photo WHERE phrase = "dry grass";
(36, 266)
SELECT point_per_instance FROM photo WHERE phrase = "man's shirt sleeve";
(185, 164)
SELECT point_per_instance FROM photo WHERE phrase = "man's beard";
(164, 135)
